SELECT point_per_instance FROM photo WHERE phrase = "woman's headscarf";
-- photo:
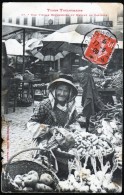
(70, 104)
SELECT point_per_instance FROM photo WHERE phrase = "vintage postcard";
(62, 97)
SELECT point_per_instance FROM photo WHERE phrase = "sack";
(28, 76)
(18, 76)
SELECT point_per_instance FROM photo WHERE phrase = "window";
(120, 20)
(120, 16)
(91, 19)
(87, 19)
(56, 20)
(67, 19)
(25, 21)
(46, 18)
(105, 18)
(10, 20)
(100, 18)
(17, 20)
(33, 21)
(79, 19)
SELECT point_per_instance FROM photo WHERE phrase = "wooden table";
(107, 91)
(9, 96)
(106, 94)
(26, 87)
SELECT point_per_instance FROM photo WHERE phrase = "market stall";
(71, 159)
(8, 30)
(22, 59)
(74, 160)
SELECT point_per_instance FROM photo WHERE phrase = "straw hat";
(64, 79)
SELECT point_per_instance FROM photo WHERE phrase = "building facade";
(58, 22)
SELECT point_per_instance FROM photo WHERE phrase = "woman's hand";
(37, 129)
(42, 130)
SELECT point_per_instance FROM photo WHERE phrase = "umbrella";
(70, 38)
(14, 48)
(34, 46)
(48, 55)
(11, 29)
(33, 43)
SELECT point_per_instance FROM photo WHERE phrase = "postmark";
(100, 46)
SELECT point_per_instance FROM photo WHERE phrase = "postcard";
(62, 97)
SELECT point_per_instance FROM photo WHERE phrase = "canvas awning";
(13, 47)
(8, 29)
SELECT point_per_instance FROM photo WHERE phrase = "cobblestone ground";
(15, 134)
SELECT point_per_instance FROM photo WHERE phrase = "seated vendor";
(57, 110)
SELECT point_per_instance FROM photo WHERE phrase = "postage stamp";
(100, 47)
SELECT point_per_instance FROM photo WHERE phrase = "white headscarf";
(69, 105)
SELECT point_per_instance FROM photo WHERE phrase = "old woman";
(57, 110)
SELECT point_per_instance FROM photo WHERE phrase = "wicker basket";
(63, 157)
(11, 169)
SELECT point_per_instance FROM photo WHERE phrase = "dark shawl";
(90, 98)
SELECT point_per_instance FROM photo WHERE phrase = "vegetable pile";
(108, 125)
(32, 182)
(92, 145)
(82, 180)
(99, 183)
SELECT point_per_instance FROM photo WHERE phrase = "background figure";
(91, 101)
(12, 67)
(51, 74)
(6, 77)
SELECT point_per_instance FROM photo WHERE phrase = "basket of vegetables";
(28, 176)
(94, 151)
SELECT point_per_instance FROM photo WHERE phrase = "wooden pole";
(58, 64)
(70, 63)
(16, 65)
(23, 70)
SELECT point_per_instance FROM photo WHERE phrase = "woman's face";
(62, 93)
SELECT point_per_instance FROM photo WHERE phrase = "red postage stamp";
(100, 48)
